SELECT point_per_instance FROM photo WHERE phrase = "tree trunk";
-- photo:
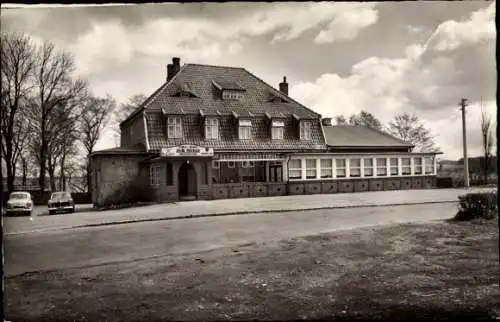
(51, 169)
(25, 172)
(62, 178)
(41, 178)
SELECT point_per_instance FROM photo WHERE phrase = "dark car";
(61, 202)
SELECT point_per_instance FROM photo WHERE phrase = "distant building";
(212, 132)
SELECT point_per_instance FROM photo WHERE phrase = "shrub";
(477, 205)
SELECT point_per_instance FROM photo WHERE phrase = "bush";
(477, 205)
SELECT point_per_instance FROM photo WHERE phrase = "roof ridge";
(217, 66)
(281, 93)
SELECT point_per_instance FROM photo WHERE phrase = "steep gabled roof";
(360, 136)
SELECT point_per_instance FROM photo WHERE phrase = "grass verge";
(427, 271)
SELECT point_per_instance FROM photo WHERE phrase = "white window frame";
(381, 167)
(245, 129)
(344, 168)
(417, 168)
(277, 129)
(295, 170)
(305, 130)
(351, 167)
(154, 175)
(393, 166)
(366, 167)
(429, 164)
(215, 164)
(311, 168)
(231, 164)
(174, 127)
(326, 171)
(406, 168)
(231, 95)
(211, 128)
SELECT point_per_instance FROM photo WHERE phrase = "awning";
(222, 157)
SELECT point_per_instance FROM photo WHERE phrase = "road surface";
(86, 246)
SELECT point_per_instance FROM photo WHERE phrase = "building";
(212, 132)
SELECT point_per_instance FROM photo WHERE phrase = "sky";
(339, 58)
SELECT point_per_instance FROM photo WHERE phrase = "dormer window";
(277, 129)
(245, 129)
(232, 95)
(174, 127)
(305, 130)
(211, 128)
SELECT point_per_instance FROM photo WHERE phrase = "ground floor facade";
(184, 173)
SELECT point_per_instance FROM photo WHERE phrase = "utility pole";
(463, 104)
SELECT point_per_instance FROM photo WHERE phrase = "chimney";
(284, 86)
(173, 68)
(327, 121)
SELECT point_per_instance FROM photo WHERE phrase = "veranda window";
(355, 167)
(406, 166)
(368, 167)
(429, 165)
(311, 169)
(381, 167)
(340, 168)
(295, 169)
(394, 167)
(417, 165)
(326, 168)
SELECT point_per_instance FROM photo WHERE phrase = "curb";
(121, 222)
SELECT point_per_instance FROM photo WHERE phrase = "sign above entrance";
(187, 151)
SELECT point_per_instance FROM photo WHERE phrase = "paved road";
(200, 208)
(115, 243)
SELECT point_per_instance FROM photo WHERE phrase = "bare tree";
(408, 128)
(96, 115)
(54, 87)
(487, 140)
(123, 111)
(17, 63)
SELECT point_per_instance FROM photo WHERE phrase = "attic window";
(184, 94)
(305, 130)
(232, 95)
(277, 99)
(277, 129)
(245, 129)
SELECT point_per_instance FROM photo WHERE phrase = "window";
(295, 169)
(429, 165)
(170, 180)
(368, 167)
(381, 166)
(174, 127)
(326, 168)
(232, 95)
(341, 168)
(245, 129)
(305, 130)
(215, 164)
(405, 166)
(355, 167)
(417, 162)
(394, 166)
(154, 175)
(247, 164)
(311, 169)
(277, 130)
(211, 128)
(231, 164)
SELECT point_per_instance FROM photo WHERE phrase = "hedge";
(477, 205)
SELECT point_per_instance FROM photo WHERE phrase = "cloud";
(424, 80)
(452, 34)
(347, 26)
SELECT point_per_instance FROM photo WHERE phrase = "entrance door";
(275, 173)
(187, 181)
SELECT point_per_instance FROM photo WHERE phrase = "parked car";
(20, 202)
(61, 202)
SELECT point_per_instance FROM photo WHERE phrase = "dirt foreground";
(425, 271)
